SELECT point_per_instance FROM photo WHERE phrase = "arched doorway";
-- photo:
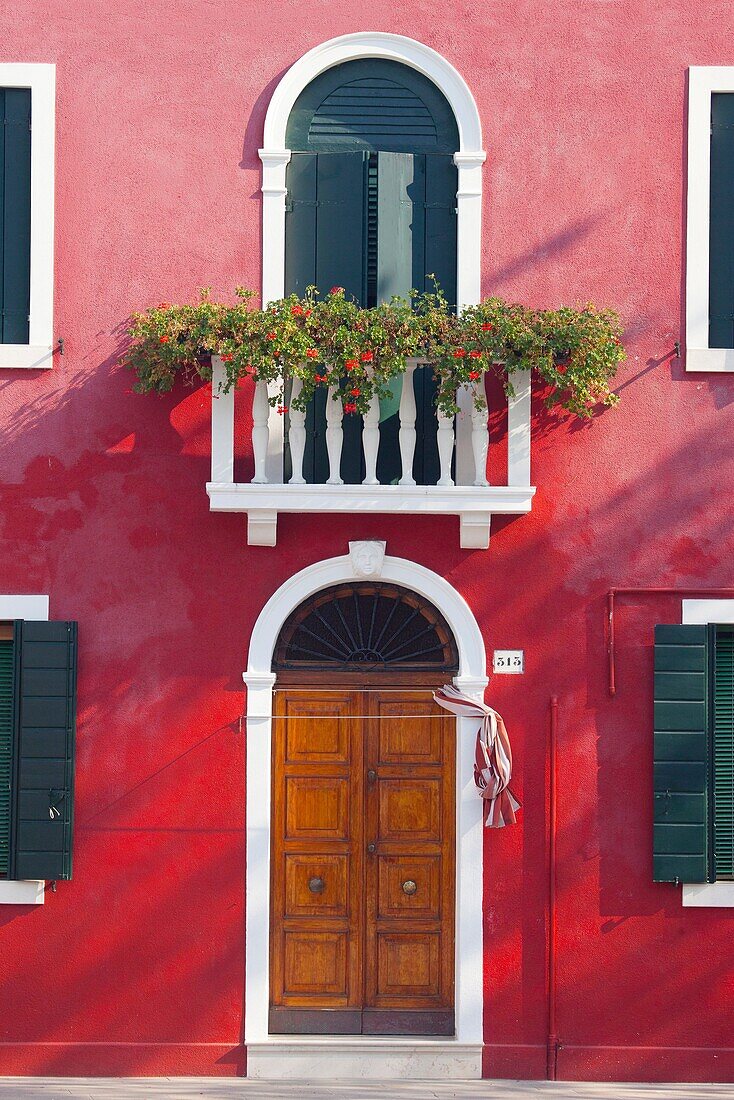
(363, 838)
(335, 1057)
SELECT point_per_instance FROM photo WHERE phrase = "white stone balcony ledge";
(469, 497)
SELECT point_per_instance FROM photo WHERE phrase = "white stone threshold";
(335, 1057)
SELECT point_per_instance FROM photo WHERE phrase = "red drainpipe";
(551, 1064)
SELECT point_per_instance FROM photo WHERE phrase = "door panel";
(362, 940)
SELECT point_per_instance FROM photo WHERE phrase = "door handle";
(371, 775)
(371, 848)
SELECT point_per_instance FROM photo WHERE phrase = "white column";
(480, 437)
(406, 434)
(371, 441)
(445, 439)
(222, 426)
(260, 432)
(273, 189)
(334, 435)
(518, 430)
(257, 895)
(297, 435)
(468, 285)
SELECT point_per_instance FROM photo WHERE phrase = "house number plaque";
(510, 661)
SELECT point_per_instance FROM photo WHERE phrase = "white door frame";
(260, 681)
(469, 158)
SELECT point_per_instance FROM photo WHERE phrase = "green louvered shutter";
(721, 222)
(325, 243)
(724, 754)
(43, 773)
(15, 214)
(682, 849)
(6, 748)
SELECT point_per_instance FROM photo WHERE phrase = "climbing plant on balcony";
(329, 341)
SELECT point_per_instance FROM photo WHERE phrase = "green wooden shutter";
(42, 810)
(682, 850)
(325, 246)
(724, 755)
(721, 222)
(15, 214)
(6, 748)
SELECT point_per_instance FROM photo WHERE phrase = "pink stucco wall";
(136, 966)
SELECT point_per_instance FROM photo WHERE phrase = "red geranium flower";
(474, 374)
(459, 353)
(367, 356)
(164, 305)
(308, 313)
(561, 368)
(487, 327)
(337, 290)
(355, 392)
(350, 407)
(282, 409)
(475, 355)
(351, 364)
(321, 378)
(272, 336)
(312, 353)
(164, 339)
(227, 358)
(297, 311)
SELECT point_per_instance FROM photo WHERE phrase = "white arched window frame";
(468, 159)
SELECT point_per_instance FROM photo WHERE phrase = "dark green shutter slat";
(682, 755)
(44, 750)
(6, 748)
(442, 181)
(15, 215)
(372, 104)
(721, 222)
(724, 755)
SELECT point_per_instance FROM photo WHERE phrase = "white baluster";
(260, 431)
(406, 434)
(371, 441)
(334, 435)
(297, 435)
(479, 436)
(445, 438)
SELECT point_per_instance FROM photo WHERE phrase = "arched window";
(371, 207)
(366, 626)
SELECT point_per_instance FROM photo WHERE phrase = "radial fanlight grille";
(366, 625)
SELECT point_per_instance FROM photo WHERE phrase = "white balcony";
(465, 439)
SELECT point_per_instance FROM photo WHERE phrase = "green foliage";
(331, 341)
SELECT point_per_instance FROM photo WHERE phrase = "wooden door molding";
(363, 863)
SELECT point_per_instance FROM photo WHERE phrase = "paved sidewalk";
(188, 1088)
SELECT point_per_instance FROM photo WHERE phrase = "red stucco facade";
(136, 966)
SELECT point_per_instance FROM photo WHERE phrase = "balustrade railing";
(462, 443)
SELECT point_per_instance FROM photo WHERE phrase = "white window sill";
(709, 895)
(720, 360)
(31, 356)
(23, 892)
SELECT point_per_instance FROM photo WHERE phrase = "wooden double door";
(362, 863)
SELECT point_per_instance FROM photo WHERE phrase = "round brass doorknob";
(409, 887)
(316, 885)
(372, 775)
(371, 848)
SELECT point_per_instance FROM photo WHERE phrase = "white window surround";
(473, 500)
(294, 1056)
(469, 159)
(708, 895)
(41, 79)
(31, 891)
(703, 81)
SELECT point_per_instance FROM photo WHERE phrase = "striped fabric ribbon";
(493, 758)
